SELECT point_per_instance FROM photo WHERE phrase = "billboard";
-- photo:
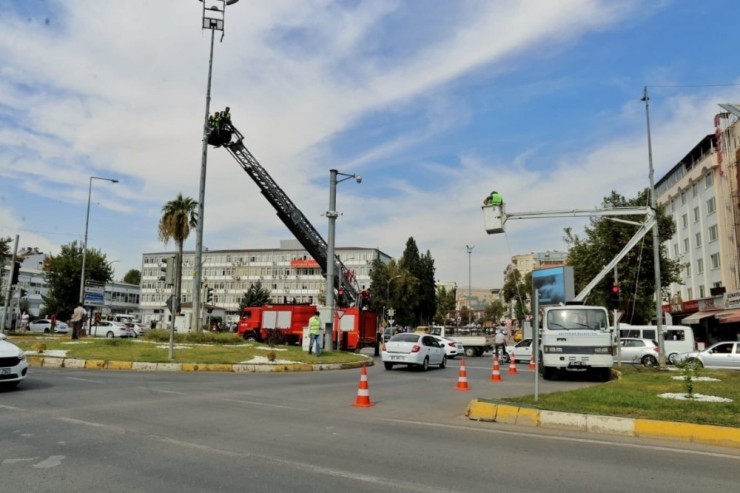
(555, 284)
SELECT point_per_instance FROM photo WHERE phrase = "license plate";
(577, 364)
(396, 358)
(4, 371)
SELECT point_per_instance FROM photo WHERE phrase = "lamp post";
(87, 223)
(656, 240)
(470, 285)
(214, 14)
(331, 214)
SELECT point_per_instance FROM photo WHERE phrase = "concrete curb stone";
(491, 411)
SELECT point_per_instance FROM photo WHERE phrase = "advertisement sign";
(555, 284)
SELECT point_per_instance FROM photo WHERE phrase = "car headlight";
(22, 356)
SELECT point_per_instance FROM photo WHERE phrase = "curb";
(92, 364)
(484, 410)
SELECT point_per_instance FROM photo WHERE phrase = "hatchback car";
(644, 351)
(452, 347)
(111, 329)
(721, 356)
(43, 325)
(13, 364)
(412, 349)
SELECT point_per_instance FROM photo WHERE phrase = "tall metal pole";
(470, 285)
(331, 214)
(84, 245)
(656, 240)
(6, 303)
(195, 325)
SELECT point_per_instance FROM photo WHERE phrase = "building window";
(675, 250)
(699, 266)
(683, 197)
(696, 214)
(708, 180)
(697, 240)
(712, 233)
(685, 221)
(689, 294)
(701, 291)
(711, 205)
(685, 245)
(693, 190)
(715, 260)
(688, 269)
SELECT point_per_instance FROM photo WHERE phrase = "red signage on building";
(303, 264)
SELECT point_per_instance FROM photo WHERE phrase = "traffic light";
(209, 295)
(614, 296)
(16, 272)
(169, 270)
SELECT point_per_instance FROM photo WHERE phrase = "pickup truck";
(475, 340)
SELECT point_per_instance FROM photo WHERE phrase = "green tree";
(494, 311)
(256, 295)
(179, 217)
(422, 304)
(518, 288)
(62, 273)
(603, 240)
(133, 276)
(446, 302)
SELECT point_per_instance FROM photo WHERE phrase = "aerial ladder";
(228, 136)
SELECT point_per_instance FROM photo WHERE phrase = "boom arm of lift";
(291, 216)
(495, 216)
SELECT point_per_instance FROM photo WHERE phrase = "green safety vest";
(496, 199)
(314, 325)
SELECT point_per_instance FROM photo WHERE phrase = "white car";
(110, 329)
(43, 326)
(522, 351)
(452, 347)
(633, 350)
(722, 356)
(13, 364)
(412, 349)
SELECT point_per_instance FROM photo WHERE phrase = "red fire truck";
(286, 323)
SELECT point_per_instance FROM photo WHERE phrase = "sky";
(434, 103)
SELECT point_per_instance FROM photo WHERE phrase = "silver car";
(111, 329)
(13, 364)
(721, 356)
(43, 325)
(644, 351)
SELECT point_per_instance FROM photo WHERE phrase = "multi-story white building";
(701, 194)
(288, 272)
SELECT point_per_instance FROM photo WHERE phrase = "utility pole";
(470, 285)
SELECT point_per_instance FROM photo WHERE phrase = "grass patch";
(635, 395)
(188, 348)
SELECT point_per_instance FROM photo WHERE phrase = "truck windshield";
(577, 319)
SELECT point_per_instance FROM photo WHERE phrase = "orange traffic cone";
(462, 380)
(532, 366)
(496, 373)
(512, 365)
(363, 391)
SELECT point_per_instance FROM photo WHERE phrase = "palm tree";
(179, 217)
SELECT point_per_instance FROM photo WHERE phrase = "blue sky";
(433, 102)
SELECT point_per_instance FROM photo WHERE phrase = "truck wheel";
(604, 374)
(249, 336)
(470, 352)
(548, 372)
(388, 366)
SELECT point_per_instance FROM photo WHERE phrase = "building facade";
(288, 272)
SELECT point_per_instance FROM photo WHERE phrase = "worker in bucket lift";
(214, 120)
(494, 198)
(225, 117)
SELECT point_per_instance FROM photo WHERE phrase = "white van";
(677, 338)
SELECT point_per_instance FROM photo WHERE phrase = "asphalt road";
(76, 430)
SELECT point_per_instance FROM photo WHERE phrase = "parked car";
(721, 356)
(413, 349)
(522, 351)
(43, 325)
(644, 351)
(13, 364)
(110, 329)
(451, 346)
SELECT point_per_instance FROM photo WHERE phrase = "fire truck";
(353, 327)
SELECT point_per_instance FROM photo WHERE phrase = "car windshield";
(577, 319)
(405, 337)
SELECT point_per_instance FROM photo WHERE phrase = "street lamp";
(84, 245)
(331, 214)
(470, 288)
(656, 241)
(214, 14)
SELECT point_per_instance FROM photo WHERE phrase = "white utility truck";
(475, 340)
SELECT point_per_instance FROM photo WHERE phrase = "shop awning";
(695, 318)
(729, 316)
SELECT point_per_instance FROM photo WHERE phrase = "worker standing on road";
(314, 330)
(499, 341)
